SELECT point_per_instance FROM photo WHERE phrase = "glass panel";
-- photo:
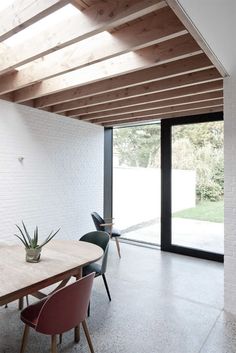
(198, 186)
(136, 182)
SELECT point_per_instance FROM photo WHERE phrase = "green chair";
(101, 225)
(101, 239)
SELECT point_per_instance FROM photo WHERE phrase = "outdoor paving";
(202, 235)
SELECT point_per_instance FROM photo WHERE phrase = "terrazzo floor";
(161, 303)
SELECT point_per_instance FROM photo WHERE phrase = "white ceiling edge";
(215, 20)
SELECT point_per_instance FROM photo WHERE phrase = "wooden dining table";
(60, 260)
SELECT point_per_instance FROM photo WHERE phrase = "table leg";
(80, 273)
(77, 333)
(21, 303)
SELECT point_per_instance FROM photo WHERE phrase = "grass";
(204, 211)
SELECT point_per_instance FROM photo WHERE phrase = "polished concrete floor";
(161, 303)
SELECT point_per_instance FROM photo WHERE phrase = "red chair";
(63, 310)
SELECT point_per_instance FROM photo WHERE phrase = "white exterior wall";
(60, 181)
(137, 194)
(230, 193)
(215, 20)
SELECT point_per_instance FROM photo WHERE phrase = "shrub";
(209, 191)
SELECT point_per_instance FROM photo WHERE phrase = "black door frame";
(166, 156)
(166, 125)
(108, 173)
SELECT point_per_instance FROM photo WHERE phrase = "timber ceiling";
(109, 62)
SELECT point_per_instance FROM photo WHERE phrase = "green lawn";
(204, 211)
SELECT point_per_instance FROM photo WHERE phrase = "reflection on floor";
(208, 236)
(161, 303)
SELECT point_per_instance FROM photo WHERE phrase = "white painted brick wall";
(60, 181)
(230, 192)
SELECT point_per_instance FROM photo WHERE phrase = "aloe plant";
(32, 242)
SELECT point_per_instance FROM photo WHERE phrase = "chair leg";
(77, 334)
(106, 286)
(60, 338)
(54, 344)
(88, 312)
(24, 339)
(27, 300)
(86, 331)
(118, 246)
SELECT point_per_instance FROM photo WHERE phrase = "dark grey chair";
(101, 225)
(101, 239)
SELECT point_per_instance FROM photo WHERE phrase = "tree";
(138, 146)
(194, 147)
(200, 147)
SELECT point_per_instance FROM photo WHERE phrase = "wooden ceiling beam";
(146, 106)
(28, 104)
(170, 115)
(171, 50)
(175, 68)
(164, 87)
(159, 111)
(165, 84)
(7, 97)
(95, 19)
(151, 30)
(23, 13)
(165, 97)
(79, 4)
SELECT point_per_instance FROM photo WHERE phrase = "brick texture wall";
(230, 192)
(59, 182)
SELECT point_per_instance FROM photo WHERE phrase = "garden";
(197, 147)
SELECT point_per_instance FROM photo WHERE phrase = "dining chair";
(59, 312)
(104, 226)
(101, 239)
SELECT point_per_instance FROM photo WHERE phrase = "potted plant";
(32, 247)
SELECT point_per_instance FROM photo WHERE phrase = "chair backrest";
(66, 308)
(101, 239)
(97, 220)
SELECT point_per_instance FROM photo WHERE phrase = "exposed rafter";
(100, 47)
(89, 116)
(173, 49)
(168, 115)
(22, 13)
(160, 111)
(209, 75)
(80, 4)
(175, 68)
(95, 19)
(185, 93)
(157, 73)
(112, 62)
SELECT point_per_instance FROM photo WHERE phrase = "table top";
(60, 259)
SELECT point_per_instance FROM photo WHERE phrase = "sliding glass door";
(136, 182)
(193, 186)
